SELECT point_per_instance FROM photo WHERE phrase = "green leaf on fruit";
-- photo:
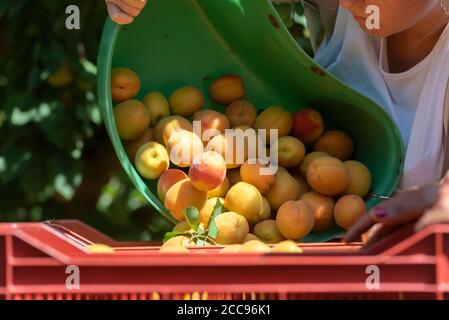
(212, 227)
(172, 234)
(201, 242)
(192, 217)
(201, 231)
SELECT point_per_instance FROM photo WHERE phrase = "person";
(124, 11)
(403, 65)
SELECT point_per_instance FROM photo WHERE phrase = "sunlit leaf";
(212, 227)
(172, 234)
(192, 217)
(201, 242)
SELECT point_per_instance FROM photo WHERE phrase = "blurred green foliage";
(56, 161)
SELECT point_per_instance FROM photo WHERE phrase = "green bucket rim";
(106, 52)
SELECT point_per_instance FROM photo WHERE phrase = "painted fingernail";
(380, 212)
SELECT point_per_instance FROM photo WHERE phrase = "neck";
(407, 48)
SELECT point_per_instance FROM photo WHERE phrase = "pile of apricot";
(315, 187)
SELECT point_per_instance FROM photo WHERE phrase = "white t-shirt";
(414, 99)
(405, 89)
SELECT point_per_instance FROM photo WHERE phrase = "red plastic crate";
(34, 257)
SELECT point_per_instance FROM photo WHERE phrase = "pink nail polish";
(380, 212)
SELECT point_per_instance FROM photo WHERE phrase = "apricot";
(131, 147)
(206, 211)
(248, 143)
(229, 148)
(243, 128)
(295, 220)
(186, 101)
(268, 232)
(183, 147)
(125, 84)
(234, 177)
(233, 248)
(167, 180)
(182, 226)
(244, 199)
(337, 144)
(274, 118)
(328, 176)
(287, 246)
(227, 89)
(251, 237)
(308, 160)
(182, 195)
(303, 185)
(99, 248)
(282, 169)
(132, 119)
(152, 160)
(348, 210)
(221, 190)
(360, 178)
(322, 208)
(212, 124)
(265, 210)
(178, 241)
(241, 113)
(158, 106)
(285, 188)
(207, 171)
(166, 126)
(308, 125)
(177, 249)
(252, 172)
(63, 76)
(254, 246)
(290, 151)
(232, 228)
(263, 214)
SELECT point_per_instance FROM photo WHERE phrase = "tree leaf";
(201, 231)
(201, 242)
(212, 230)
(192, 217)
(172, 234)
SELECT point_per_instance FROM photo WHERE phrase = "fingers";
(431, 217)
(399, 213)
(138, 4)
(377, 233)
(443, 195)
(117, 15)
(126, 8)
(405, 206)
(364, 224)
(129, 9)
(439, 213)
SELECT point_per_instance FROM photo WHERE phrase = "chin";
(378, 33)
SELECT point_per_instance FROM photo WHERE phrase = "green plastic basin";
(190, 42)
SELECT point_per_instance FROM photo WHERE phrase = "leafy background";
(56, 161)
